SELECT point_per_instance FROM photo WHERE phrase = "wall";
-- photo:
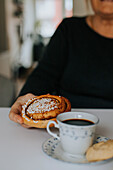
(9, 57)
(4, 64)
(3, 35)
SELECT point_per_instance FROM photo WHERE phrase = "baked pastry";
(100, 151)
(38, 111)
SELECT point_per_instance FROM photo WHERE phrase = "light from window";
(49, 14)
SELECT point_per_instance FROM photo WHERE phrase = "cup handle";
(51, 133)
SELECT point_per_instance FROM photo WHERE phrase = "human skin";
(102, 21)
(15, 112)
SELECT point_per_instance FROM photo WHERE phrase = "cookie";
(100, 151)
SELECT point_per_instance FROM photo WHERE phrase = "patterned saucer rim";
(50, 146)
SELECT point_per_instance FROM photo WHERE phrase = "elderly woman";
(77, 63)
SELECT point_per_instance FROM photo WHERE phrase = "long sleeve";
(47, 75)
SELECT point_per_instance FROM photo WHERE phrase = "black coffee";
(78, 122)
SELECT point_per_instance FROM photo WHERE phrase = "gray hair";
(89, 7)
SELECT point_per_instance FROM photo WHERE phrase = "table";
(21, 149)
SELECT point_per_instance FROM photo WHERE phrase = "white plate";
(53, 149)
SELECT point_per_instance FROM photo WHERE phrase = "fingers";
(26, 126)
(15, 112)
(23, 99)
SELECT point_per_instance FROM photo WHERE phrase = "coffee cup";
(76, 131)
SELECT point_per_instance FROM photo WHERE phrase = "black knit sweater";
(78, 64)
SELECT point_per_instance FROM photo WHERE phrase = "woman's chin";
(106, 14)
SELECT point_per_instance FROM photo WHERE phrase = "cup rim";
(86, 126)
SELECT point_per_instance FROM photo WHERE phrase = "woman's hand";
(15, 112)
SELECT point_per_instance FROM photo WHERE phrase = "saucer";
(52, 148)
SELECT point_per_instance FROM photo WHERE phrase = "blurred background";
(25, 29)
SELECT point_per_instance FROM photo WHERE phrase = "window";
(49, 14)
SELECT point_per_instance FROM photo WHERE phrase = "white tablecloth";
(21, 149)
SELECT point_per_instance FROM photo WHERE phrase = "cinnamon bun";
(37, 112)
